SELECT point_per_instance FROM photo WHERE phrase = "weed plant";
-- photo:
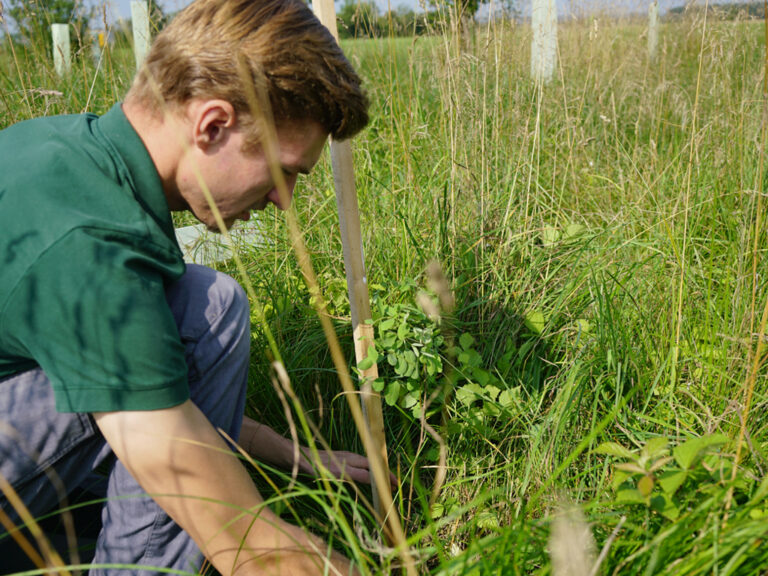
(603, 239)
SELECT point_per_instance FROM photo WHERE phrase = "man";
(107, 343)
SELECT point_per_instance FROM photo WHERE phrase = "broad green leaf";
(466, 340)
(393, 393)
(549, 235)
(583, 325)
(665, 506)
(492, 392)
(468, 393)
(387, 324)
(671, 480)
(629, 496)
(614, 449)
(645, 485)
(632, 467)
(409, 401)
(437, 511)
(509, 398)
(487, 520)
(365, 363)
(378, 384)
(655, 447)
(535, 321)
(687, 453)
(573, 230)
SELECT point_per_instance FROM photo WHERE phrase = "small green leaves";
(689, 452)
(652, 477)
(615, 449)
(535, 321)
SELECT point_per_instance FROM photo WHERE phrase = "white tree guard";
(653, 30)
(141, 36)
(544, 43)
(62, 55)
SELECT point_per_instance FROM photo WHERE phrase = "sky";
(121, 8)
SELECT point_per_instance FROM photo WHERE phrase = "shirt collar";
(140, 169)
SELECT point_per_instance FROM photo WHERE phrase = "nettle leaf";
(468, 393)
(386, 324)
(687, 453)
(492, 392)
(614, 449)
(487, 520)
(671, 480)
(509, 398)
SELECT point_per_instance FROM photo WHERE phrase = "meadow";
(568, 285)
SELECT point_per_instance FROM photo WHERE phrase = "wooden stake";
(62, 56)
(357, 284)
(141, 36)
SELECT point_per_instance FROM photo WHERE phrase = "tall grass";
(604, 240)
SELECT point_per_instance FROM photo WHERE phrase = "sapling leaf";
(629, 496)
(671, 480)
(664, 505)
(660, 463)
(645, 485)
(615, 449)
(632, 467)
(655, 447)
(393, 393)
(687, 453)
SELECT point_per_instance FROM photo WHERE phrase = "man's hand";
(264, 444)
(183, 463)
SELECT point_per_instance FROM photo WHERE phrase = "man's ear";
(211, 122)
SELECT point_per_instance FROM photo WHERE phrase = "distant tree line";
(749, 10)
(362, 19)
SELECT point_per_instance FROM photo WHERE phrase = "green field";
(598, 384)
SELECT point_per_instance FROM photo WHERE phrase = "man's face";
(241, 181)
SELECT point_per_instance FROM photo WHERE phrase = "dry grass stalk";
(571, 544)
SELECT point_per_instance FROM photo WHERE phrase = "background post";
(62, 55)
(544, 43)
(141, 36)
(653, 30)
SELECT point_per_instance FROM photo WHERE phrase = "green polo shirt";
(86, 249)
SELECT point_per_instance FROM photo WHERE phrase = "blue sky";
(121, 8)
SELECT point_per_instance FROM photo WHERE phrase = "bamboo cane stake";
(357, 285)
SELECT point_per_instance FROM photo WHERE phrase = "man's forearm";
(179, 459)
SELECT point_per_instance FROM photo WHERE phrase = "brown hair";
(307, 75)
